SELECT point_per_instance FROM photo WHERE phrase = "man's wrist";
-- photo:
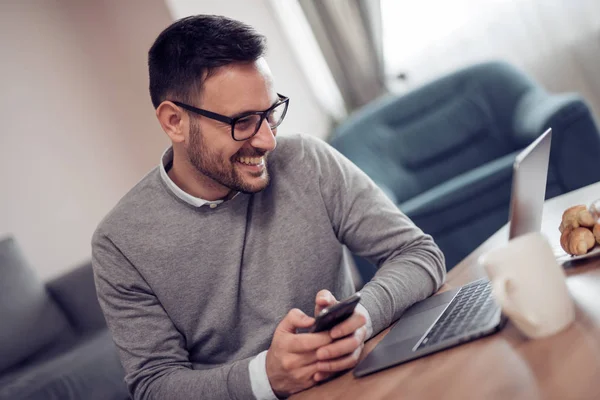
(369, 325)
(259, 380)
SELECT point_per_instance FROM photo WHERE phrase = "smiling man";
(207, 268)
(216, 164)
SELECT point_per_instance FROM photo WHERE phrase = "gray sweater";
(192, 294)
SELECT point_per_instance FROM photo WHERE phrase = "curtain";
(349, 35)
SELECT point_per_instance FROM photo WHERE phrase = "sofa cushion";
(75, 293)
(29, 319)
(90, 370)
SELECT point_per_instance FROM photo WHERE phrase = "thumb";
(294, 319)
(324, 299)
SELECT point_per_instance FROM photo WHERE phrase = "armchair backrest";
(411, 143)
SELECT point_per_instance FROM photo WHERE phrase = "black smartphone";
(331, 316)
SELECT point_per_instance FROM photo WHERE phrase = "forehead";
(239, 87)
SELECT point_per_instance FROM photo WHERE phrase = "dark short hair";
(190, 49)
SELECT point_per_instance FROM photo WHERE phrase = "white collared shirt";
(166, 161)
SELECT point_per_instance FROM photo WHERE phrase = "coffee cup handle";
(501, 293)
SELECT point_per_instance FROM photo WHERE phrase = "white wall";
(78, 128)
(304, 114)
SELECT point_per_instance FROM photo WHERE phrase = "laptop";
(528, 193)
(530, 173)
(469, 312)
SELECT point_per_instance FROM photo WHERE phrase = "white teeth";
(251, 160)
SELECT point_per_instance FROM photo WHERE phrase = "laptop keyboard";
(472, 307)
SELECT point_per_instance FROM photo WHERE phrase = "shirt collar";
(167, 161)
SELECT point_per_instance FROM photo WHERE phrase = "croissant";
(577, 216)
(596, 232)
(577, 241)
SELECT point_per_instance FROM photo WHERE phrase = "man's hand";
(349, 338)
(292, 358)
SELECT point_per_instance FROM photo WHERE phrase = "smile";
(251, 160)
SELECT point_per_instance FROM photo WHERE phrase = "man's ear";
(173, 120)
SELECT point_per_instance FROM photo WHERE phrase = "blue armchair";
(444, 153)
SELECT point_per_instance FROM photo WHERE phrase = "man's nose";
(264, 138)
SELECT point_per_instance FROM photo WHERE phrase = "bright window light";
(409, 27)
(308, 54)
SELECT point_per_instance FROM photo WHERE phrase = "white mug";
(530, 286)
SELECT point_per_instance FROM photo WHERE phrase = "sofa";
(444, 152)
(54, 343)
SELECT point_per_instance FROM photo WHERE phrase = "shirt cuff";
(261, 388)
(369, 325)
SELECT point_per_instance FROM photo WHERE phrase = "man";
(209, 265)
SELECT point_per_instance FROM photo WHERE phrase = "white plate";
(563, 257)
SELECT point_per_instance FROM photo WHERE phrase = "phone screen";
(331, 316)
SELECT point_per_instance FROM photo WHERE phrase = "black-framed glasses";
(246, 125)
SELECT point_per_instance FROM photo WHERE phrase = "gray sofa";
(54, 343)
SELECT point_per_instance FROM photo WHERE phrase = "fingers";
(324, 299)
(350, 325)
(300, 343)
(294, 319)
(304, 374)
(340, 364)
(341, 355)
(306, 342)
(294, 361)
(288, 373)
(321, 376)
(342, 347)
(291, 361)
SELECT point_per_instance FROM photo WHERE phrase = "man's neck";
(188, 179)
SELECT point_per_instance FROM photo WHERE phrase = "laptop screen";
(530, 172)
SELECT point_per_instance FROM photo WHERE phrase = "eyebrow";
(250, 112)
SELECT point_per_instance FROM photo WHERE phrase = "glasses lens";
(246, 127)
(276, 115)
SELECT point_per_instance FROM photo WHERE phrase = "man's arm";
(410, 265)
(154, 354)
(152, 350)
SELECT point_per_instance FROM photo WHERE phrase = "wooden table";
(505, 365)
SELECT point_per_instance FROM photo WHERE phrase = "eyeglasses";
(246, 125)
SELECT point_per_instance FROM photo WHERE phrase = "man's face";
(232, 90)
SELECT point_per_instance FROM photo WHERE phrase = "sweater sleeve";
(151, 349)
(410, 265)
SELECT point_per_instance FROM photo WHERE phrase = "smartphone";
(331, 316)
